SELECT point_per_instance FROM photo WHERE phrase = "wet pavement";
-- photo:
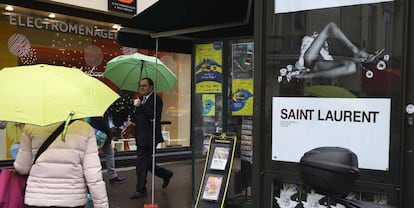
(178, 194)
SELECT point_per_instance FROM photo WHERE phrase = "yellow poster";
(242, 97)
(208, 67)
(209, 104)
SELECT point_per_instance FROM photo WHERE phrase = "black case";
(330, 170)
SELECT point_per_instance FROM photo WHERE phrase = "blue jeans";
(109, 159)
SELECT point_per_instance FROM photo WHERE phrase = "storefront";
(324, 74)
(333, 73)
(32, 36)
(313, 74)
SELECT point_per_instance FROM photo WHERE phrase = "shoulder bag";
(12, 184)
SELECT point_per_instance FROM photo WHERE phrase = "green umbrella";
(45, 94)
(328, 91)
(125, 71)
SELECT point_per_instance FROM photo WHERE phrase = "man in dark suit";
(143, 119)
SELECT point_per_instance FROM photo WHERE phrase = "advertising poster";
(220, 158)
(286, 195)
(71, 43)
(209, 104)
(208, 67)
(242, 60)
(359, 124)
(285, 6)
(242, 97)
(212, 187)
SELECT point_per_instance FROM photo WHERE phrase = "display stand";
(217, 171)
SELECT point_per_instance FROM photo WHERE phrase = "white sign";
(102, 5)
(78, 28)
(285, 6)
(359, 124)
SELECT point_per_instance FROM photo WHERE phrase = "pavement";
(178, 194)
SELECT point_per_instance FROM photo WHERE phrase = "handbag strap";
(49, 140)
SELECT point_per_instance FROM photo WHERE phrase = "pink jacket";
(64, 172)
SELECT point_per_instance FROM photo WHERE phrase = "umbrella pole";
(140, 74)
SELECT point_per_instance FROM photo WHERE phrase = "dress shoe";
(138, 195)
(167, 180)
(117, 180)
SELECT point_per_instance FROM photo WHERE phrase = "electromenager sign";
(285, 6)
(359, 124)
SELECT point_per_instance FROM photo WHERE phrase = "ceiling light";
(9, 8)
(52, 15)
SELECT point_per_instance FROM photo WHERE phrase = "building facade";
(313, 74)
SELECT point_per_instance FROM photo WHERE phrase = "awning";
(179, 22)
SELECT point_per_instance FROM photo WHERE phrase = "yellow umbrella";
(45, 94)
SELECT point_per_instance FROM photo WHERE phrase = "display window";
(33, 37)
(333, 74)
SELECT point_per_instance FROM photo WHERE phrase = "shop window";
(32, 37)
(335, 59)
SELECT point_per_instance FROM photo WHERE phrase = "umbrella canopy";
(45, 94)
(125, 71)
(328, 91)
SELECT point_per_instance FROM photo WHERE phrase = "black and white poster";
(285, 6)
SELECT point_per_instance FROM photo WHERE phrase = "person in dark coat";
(143, 119)
(120, 111)
(101, 123)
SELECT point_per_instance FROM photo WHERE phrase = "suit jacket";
(143, 119)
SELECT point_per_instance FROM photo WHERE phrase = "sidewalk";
(176, 195)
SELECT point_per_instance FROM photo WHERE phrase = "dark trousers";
(143, 165)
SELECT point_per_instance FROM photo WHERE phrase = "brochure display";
(217, 171)
(212, 187)
(246, 141)
(220, 158)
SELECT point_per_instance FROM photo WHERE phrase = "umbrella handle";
(65, 129)
(140, 74)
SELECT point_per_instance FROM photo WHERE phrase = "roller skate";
(376, 59)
